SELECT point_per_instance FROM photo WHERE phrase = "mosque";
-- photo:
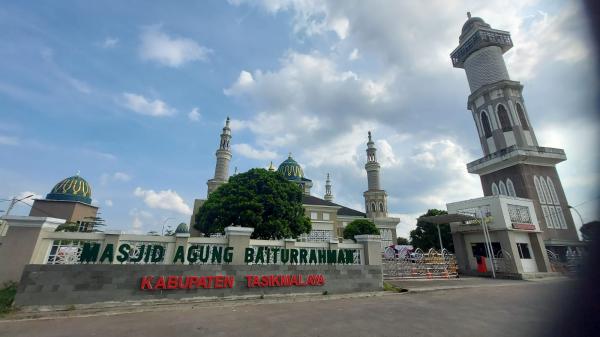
(70, 199)
(328, 219)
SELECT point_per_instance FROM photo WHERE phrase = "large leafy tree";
(425, 236)
(264, 200)
(359, 227)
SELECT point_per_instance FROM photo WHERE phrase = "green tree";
(402, 241)
(590, 230)
(360, 227)
(67, 227)
(425, 236)
(264, 200)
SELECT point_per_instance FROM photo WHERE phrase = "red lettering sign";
(524, 226)
(186, 282)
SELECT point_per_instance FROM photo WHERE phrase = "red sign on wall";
(174, 282)
(524, 226)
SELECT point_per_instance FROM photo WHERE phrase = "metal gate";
(406, 264)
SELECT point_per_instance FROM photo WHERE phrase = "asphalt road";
(519, 309)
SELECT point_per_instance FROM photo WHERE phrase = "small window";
(503, 117)
(503, 189)
(523, 251)
(522, 118)
(511, 188)
(373, 207)
(325, 216)
(485, 122)
(552, 191)
(313, 216)
(381, 207)
(494, 189)
(538, 189)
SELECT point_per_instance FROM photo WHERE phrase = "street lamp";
(162, 232)
(579, 214)
(13, 202)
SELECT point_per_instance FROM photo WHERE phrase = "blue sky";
(134, 96)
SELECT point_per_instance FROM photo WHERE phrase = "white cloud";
(120, 176)
(143, 106)
(353, 55)
(117, 176)
(108, 203)
(6, 140)
(28, 201)
(167, 200)
(194, 115)
(248, 151)
(110, 42)
(170, 51)
(140, 218)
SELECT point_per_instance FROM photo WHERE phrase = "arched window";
(485, 122)
(545, 190)
(503, 117)
(552, 191)
(381, 207)
(538, 189)
(502, 188)
(494, 189)
(373, 207)
(522, 118)
(511, 188)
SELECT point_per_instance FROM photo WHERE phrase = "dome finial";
(227, 122)
(468, 15)
(78, 172)
(289, 155)
(370, 136)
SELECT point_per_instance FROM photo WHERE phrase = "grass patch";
(390, 287)
(7, 297)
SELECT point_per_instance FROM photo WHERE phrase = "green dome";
(182, 228)
(291, 169)
(73, 188)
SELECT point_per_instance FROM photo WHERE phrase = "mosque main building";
(328, 219)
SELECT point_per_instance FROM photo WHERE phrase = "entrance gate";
(406, 264)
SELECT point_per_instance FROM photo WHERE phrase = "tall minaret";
(328, 195)
(513, 164)
(375, 197)
(223, 157)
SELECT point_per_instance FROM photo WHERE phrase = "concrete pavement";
(520, 309)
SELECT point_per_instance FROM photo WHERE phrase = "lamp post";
(579, 214)
(162, 232)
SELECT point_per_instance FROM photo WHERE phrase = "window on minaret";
(503, 117)
(485, 122)
(373, 207)
(522, 118)
(511, 188)
(553, 214)
(494, 189)
(503, 188)
(381, 207)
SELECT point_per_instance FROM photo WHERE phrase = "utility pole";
(13, 201)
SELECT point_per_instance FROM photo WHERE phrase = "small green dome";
(291, 169)
(182, 228)
(72, 188)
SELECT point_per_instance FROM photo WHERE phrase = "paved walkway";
(521, 309)
(452, 283)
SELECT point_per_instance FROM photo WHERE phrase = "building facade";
(513, 163)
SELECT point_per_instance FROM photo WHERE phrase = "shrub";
(360, 227)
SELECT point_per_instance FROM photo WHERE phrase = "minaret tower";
(328, 196)
(375, 197)
(513, 163)
(223, 157)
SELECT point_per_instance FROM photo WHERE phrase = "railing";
(513, 148)
(419, 265)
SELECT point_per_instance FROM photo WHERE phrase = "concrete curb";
(110, 309)
(491, 285)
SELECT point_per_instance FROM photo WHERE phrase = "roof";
(290, 169)
(446, 218)
(343, 210)
(73, 188)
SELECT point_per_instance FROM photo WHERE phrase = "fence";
(406, 264)
(34, 241)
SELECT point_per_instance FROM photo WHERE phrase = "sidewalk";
(419, 285)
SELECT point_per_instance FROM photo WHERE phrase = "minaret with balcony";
(513, 163)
